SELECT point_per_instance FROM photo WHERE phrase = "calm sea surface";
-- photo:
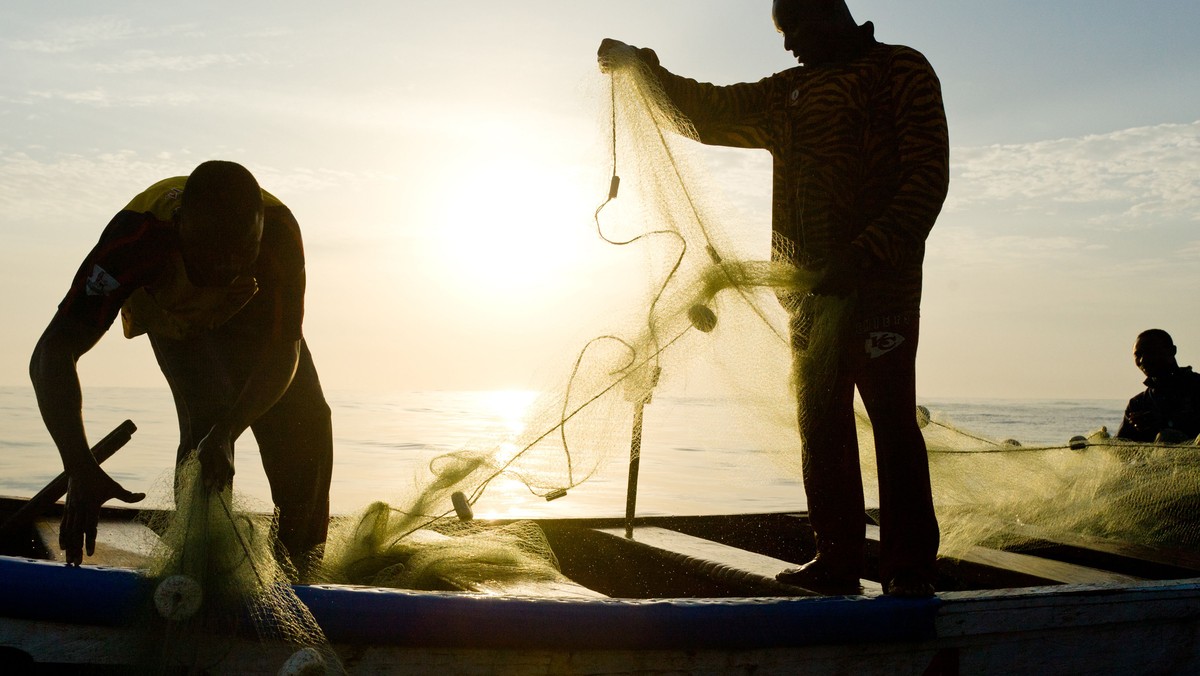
(691, 462)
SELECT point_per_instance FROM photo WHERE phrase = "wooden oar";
(56, 489)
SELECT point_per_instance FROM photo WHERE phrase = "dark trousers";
(882, 364)
(295, 437)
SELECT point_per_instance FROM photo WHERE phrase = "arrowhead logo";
(880, 343)
(100, 283)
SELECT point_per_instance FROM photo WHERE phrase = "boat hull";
(50, 613)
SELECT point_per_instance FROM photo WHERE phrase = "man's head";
(815, 31)
(1154, 353)
(220, 223)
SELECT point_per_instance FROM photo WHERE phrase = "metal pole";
(635, 454)
(635, 461)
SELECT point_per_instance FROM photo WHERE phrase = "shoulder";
(282, 243)
(1138, 400)
(902, 60)
(270, 201)
(160, 200)
(899, 53)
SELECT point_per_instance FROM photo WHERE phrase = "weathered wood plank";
(1162, 556)
(1034, 609)
(1044, 569)
(127, 544)
(737, 561)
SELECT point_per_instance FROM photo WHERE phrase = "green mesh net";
(712, 305)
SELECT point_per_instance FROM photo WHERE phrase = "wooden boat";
(687, 594)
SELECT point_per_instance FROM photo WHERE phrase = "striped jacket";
(861, 158)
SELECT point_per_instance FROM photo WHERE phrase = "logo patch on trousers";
(880, 343)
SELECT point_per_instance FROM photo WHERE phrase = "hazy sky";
(444, 160)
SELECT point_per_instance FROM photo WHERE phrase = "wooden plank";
(1043, 569)
(1162, 556)
(558, 589)
(126, 544)
(757, 567)
(1037, 609)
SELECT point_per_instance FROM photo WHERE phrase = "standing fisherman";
(861, 168)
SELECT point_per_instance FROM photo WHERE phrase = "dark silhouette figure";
(861, 168)
(211, 267)
(1168, 411)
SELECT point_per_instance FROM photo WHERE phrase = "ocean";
(691, 463)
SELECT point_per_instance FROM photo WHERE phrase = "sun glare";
(512, 229)
(508, 407)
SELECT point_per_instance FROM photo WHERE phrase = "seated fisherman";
(1169, 410)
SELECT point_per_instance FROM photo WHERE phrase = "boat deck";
(681, 595)
(718, 556)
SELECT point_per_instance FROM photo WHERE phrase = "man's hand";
(86, 492)
(612, 52)
(1146, 422)
(842, 272)
(216, 459)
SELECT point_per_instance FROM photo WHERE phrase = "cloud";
(78, 35)
(1125, 179)
(142, 60)
(100, 97)
(154, 47)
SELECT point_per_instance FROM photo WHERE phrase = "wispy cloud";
(1124, 179)
(77, 35)
(101, 97)
(146, 60)
(96, 44)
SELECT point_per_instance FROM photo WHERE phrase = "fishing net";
(707, 302)
(1004, 495)
(219, 582)
(715, 304)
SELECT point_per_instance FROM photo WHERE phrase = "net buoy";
(461, 507)
(702, 318)
(178, 597)
(304, 662)
(1078, 443)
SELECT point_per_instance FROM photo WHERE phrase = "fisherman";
(1169, 410)
(211, 268)
(861, 169)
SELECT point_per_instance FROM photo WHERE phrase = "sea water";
(693, 461)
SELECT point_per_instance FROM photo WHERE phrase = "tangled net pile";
(713, 305)
(219, 588)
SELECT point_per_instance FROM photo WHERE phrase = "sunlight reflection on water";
(693, 460)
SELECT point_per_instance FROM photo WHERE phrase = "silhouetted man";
(1169, 410)
(861, 168)
(211, 267)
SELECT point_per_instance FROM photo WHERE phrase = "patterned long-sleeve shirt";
(861, 158)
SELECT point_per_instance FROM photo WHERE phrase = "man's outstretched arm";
(55, 377)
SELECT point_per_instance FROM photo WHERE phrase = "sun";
(512, 228)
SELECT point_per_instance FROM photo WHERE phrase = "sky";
(444, 161)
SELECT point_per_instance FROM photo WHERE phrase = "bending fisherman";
(211, 268)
